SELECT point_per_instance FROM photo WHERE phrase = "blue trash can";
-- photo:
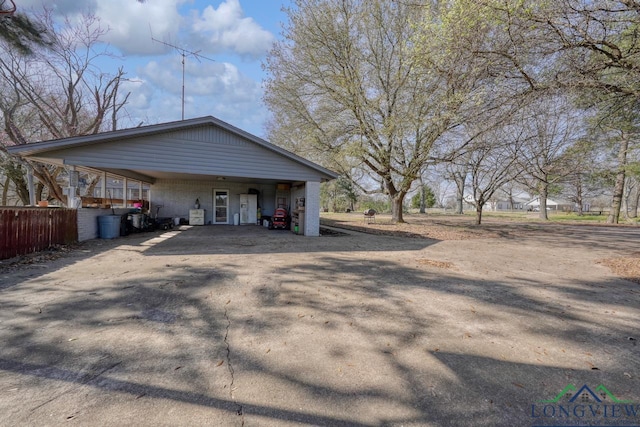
(109, 226)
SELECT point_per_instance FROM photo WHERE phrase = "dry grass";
(416, 226)
(463, 227)
(434, 263)
(626, 267)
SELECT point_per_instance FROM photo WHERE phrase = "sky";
(224, 78)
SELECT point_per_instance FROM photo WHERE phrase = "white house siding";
(178, 196)
(222, 154)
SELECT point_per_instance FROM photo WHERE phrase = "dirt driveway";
(222, 326)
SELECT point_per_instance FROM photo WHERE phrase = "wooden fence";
(27, 230)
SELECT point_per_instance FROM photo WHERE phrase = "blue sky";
(236, 34)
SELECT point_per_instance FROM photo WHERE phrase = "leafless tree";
(586, 179)
(57, 92)
(491, 163)
(552, 126)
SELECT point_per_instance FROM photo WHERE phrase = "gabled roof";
(204, 136)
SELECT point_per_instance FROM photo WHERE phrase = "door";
(221, 206)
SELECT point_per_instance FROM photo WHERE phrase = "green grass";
(572, 216)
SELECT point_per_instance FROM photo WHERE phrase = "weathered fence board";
(27, 230)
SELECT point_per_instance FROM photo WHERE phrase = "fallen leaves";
(434, 263)
(625, 267)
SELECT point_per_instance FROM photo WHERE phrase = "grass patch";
(575, 217)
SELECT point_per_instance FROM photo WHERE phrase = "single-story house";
(534, 204)
(231, 174)
(502, 202)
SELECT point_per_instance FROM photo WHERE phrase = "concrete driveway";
(235, 326)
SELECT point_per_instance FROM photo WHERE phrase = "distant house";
(560, 205)
(502, 202)
(514, 203)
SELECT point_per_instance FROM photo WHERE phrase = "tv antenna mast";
(184, 53)
(6, 9)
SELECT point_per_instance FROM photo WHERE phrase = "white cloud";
(61, 7)
(211, 88)
(226, 28)
(131, 23)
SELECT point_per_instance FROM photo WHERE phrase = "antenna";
(184, 53)
(7, 11)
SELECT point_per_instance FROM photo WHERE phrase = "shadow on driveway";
(244, 326)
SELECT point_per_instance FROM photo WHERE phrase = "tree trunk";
(624, 208)
(636, 201)
(618, 190)
(5, 191)
(544, 192)
(479, 213)
(16, 173)
(422, 197)
(396, 207)
(579, 197)
(460, 180)
(95, 180)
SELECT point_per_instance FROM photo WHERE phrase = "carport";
(230, 173)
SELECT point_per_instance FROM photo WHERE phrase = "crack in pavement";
(239, 409)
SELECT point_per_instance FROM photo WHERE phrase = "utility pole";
(184, 53)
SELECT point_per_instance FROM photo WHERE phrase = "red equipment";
(279, 219)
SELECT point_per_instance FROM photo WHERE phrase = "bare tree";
(491, 163)
(586, 179)
(440, 185)
(552, 128)
(58, 92)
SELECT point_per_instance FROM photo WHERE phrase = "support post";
(103, 186)
(312, 208)
(125, 195)
(31, 187)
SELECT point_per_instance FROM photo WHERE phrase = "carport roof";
(89, 152)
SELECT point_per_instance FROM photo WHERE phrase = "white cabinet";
(196, 216)
(248, 208)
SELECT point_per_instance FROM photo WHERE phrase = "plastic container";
(236, 219)
(109, 226)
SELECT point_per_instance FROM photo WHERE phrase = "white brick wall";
(88, 222)
(178, 196)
